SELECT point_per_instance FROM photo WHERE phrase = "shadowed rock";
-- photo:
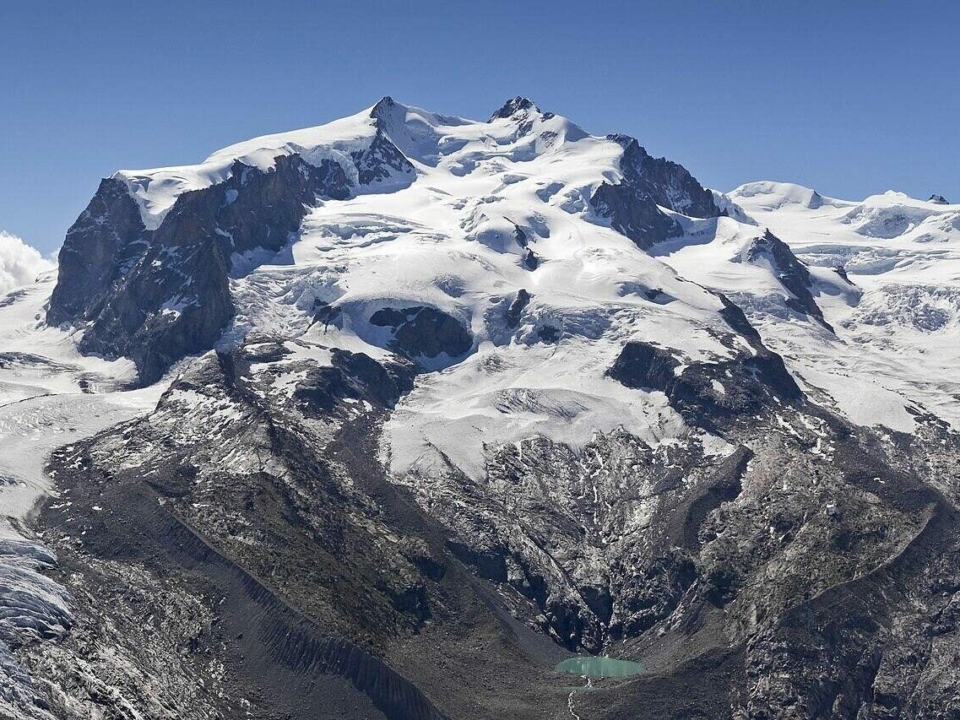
(633, 205)
(424, 332)
(749, 382)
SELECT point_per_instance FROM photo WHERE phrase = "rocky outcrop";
(382, 159)
(515, 311)
(706, 392)
(633, 205)
(792, 274)
(512, 107)
(158, 295)
(423, 332)
(105, 242)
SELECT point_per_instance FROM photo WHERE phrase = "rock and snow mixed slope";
(445, 388)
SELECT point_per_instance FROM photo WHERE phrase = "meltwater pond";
(599, 667)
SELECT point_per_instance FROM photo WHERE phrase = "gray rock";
(157, 296)
(424, 332)
(633, 205)
(791, 272)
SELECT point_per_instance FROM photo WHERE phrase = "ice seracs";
(894, 305)
(50, 396)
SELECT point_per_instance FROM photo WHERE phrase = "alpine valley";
(389, 417)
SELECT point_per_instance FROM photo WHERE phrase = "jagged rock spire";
(513, 106)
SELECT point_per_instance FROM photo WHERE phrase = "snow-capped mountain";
(384, 418)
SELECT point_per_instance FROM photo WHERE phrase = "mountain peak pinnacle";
(513, 106)
(384, 105)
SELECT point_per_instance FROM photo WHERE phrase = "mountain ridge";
(425, 405)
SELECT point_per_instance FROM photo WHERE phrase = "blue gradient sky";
(850, 97)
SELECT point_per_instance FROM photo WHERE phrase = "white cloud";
(19, 263)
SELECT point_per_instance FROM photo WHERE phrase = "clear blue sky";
(849, 97)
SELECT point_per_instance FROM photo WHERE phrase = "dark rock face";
(515, 311)
(750, 382)
(667, 183)
(529, 257)
(641, 365)
(424, 332)
(632, 205)
(254, 209)
(634, 214)
(357, 376)
(105, 241)
(513, 106)
(157, 296)
(132, 321)
(382, 159)
(791, 273)
(734, 316)
(938, 199)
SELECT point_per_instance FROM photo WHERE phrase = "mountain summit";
(404, 415)
(145, 269)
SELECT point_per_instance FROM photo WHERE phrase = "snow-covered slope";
(488, 197)
(616, 395)
(885, 273)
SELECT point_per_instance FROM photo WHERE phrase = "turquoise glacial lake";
(591, 666)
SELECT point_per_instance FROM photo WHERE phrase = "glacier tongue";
(50, 395)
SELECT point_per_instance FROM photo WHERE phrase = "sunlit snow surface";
(897, 330)
(449, 241)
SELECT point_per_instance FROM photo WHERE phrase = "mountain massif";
(391, 417)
